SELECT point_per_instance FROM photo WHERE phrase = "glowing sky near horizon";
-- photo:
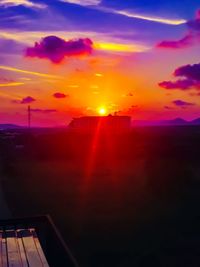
(68, 58)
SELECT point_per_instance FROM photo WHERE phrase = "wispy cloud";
(11, 84)
(10, 96)
(26, 3)
(73, 86)
(44, 75)
(83, 2)
(95, 4)
(147, 17)
(120, 47)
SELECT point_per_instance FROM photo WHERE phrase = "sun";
(102, 111)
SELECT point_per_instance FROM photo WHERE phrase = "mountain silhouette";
(9, 126)
(174, 122)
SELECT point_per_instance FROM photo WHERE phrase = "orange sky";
(122, 73)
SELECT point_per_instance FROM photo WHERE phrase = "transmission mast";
(29, 116)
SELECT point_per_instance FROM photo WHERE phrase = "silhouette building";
(116, 124)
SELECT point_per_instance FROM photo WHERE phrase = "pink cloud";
(185, 42)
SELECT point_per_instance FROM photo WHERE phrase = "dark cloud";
(60, 95)
(189, 71)
(56, 49)
(27, 100)
(38, 110)
(184, 84)
(182, 103)
(190, 78)
(185, 42)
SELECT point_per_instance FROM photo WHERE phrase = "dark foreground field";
(128, 200)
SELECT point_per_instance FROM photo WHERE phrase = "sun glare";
(102, 111)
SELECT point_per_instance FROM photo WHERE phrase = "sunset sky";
(68, 58)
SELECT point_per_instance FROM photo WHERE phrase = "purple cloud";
(181, 103)
(189, 71)
(184, 84)
(43, 110)
(191, 78)
(56, 49)
(60, 95)
(27, 100)
(185, 42)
